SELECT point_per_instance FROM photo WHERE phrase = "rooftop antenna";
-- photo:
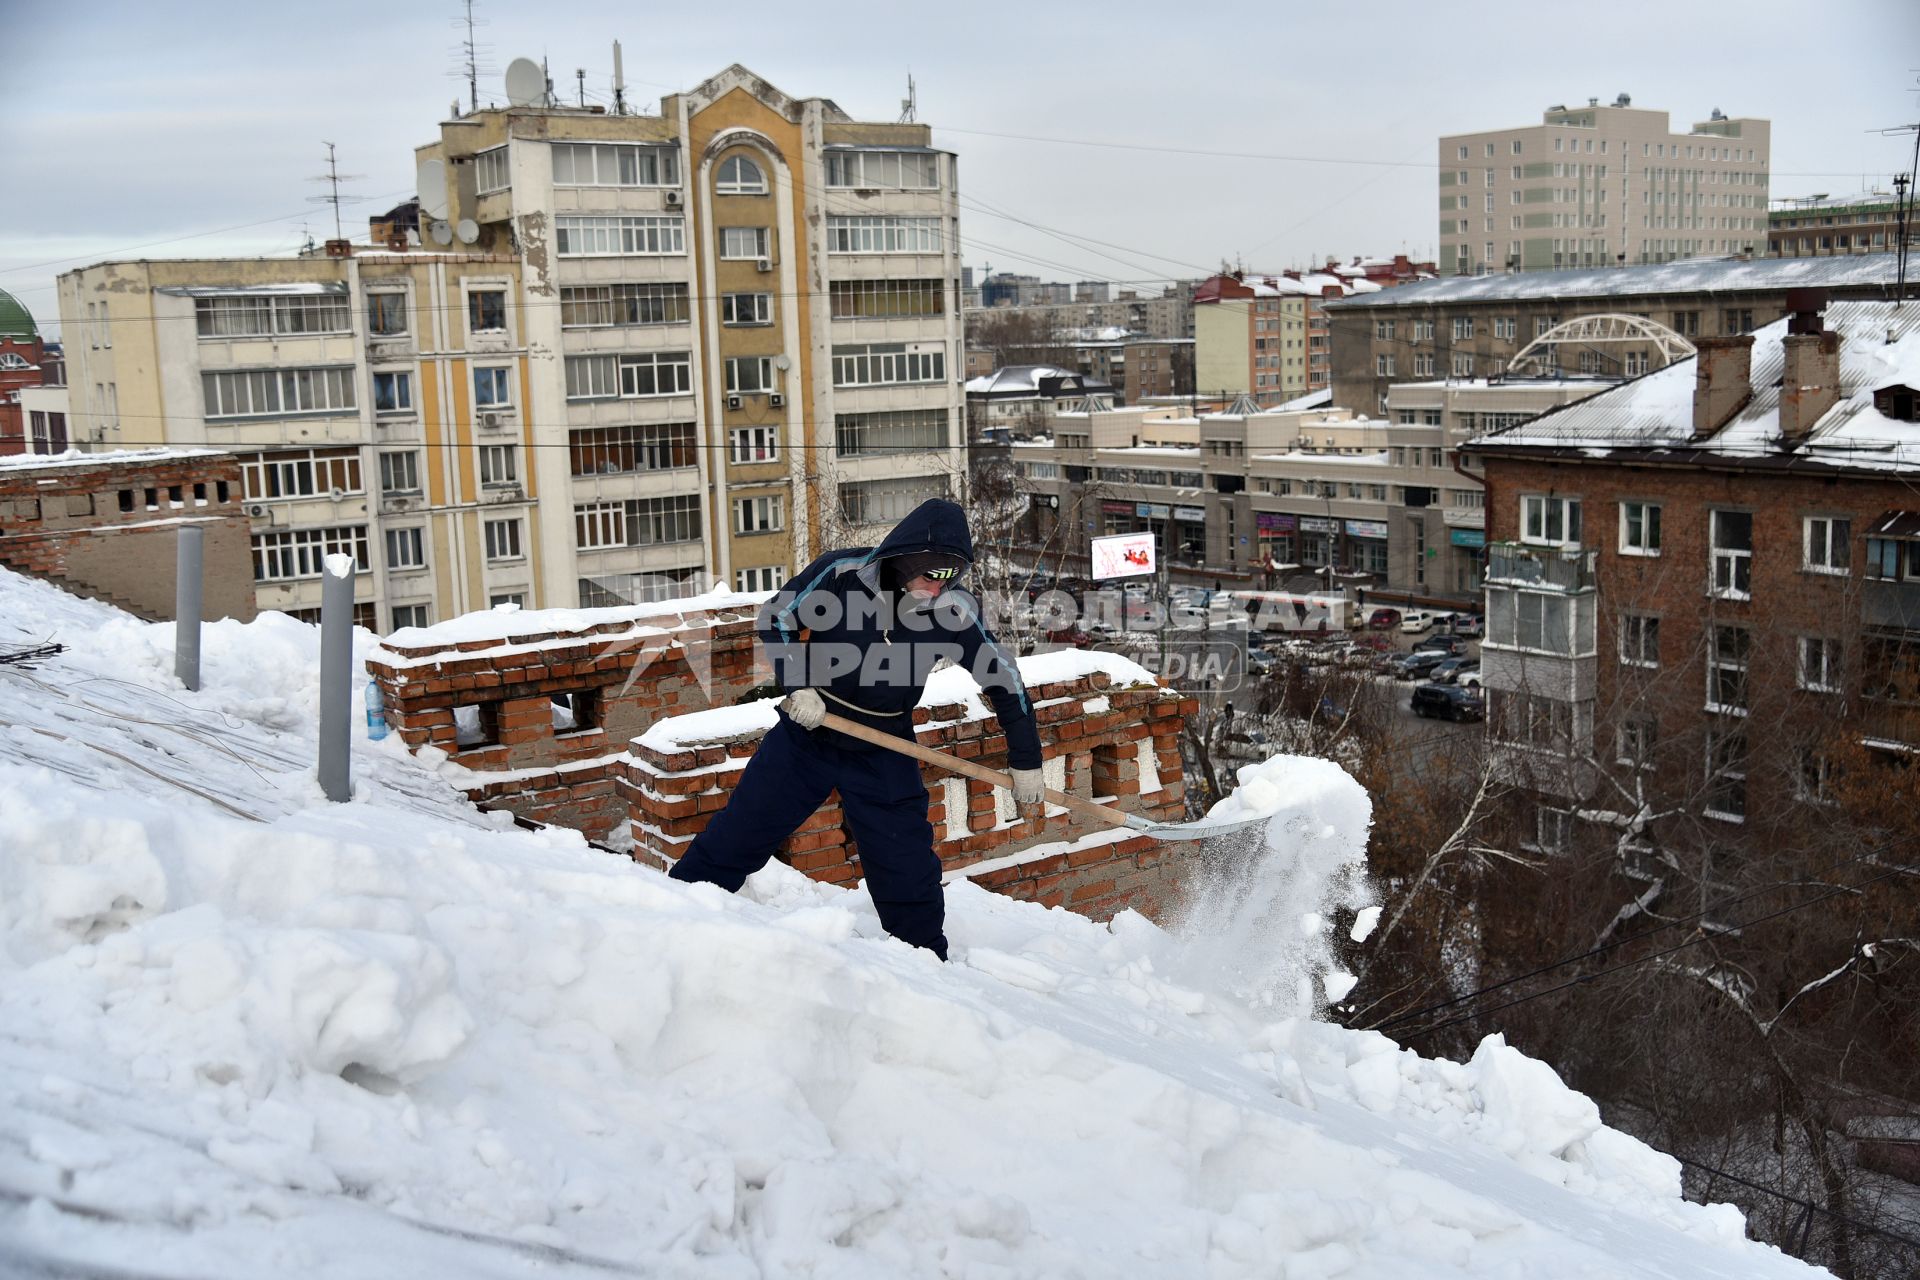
(470, 53)
(333, 178)
(1904, 193)
(910, 103)
(619, 83)
(580, 79)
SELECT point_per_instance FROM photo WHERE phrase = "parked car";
(1249, 745)
(1070, 635)
(1450, 671)
(1383, 619)
(1469, 679)
(1469, 624)
(1259, 662)
(1451, 645)
(1449, 702)
(1414, 621)
(1412, 666)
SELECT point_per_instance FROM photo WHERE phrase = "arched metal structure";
(1609, 328)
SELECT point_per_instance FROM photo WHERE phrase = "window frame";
(768, 448)
(1570, 522)
(1639, 640)
(737, 185)
(381, 305)
(491, 471)
(390, 463)
(496, 544)
(412, 539)
(730, 240)
(1738, 560)
(477, 308)
(1830, 677)
(497, 380)
(1825, 535)
(400, 405)
(758, 514)
(1739, 664)
(1648, 544)
(761, 311)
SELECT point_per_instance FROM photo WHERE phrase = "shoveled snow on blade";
(244, 1033)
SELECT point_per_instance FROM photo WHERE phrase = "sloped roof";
(1879, 347)
(1696, 275)
(15, 320)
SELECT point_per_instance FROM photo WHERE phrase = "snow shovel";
(1100, 813)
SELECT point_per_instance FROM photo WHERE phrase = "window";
(1462, 328)
(1550, 521)
(1825, 543)
(753, 444)
(490, 389)
(750, 375)
(1740, 321)
(386, 314)
(1813, 776)
(743, 242)
(890, 431)
(1726, 796)
(302, 553)
(515, 599)
(490, 171)
(852, 299)
(1639, 529)
(300, 473)
(746, 308)
(580, 236)
(1463, 366)
(1383, 366)
(600, 164)
(888, 364)
(608, 451)
(487, 311)
(606, 377)
(393, 393)
(1733, 554)
(1552, 830)
(400, 472)
(1892, 558)
(269, 316)
(503, 540)
(766, 578)
(900, 170)
(268, 393)
(1819, 664)
(1423, 331)
(1423, 366)
(740, 176)
(1383, 329)
(637, 522)
(410, 615)
(405, 549)
(575, 711)
(875, 234)
(1635, 743)
(1727, 657)
(1639, 640)
(622, 305)
(498, 467)
(759, 515)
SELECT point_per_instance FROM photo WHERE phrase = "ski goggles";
(941, 575)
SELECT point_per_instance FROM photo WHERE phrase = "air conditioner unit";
(258, 510)
(775, 399)
(673, 199)
(492, 421)
(733, 402)
(764, 264)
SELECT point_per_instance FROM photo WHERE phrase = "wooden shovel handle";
(954, 764)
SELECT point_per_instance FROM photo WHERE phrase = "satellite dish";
(430, 180)
(526, 83)
(440, 231)
(782, 363)
(468, 230)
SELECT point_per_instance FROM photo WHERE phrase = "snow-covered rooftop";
(1656, 411)
(1700, 275)
(108, 458)
(1023, 379)
(244, 1031)
(507, 622)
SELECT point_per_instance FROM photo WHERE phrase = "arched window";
(740, 176)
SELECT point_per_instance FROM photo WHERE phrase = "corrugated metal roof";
(1715, 275)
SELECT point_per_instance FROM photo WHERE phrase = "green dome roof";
(15, 320)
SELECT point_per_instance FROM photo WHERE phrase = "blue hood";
(934, 525)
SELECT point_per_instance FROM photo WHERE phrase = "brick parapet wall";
(1095, 738)
(109, 530)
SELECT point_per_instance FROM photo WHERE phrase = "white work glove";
(804, 708)
(1029, 788)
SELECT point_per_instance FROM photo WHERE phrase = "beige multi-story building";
(1601, 185)
(1826, 226)
(744, 319)
(377, 402)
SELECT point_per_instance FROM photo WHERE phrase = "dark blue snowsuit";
(841, 628)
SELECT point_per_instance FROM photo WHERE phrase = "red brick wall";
(65, 523)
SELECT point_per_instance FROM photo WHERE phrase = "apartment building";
(378, 403)
(1472, 327)
(1157, 369)
(747, 324)
(1601, 185)
(1168, 315)
(22, 365)
(1822, 226)
(1728, 545)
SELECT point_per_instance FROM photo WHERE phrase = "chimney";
(339, 248)
(1722, 381)
(1810, 382)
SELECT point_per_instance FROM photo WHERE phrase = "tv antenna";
(910, 103)
(1904, 194)
(471, 54)
(333, 178)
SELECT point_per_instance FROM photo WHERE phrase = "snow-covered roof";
(107, 458)
(243, 1029)
(1699, 275)
(1022, 379)
(507, 622)
(1656, 411)
(1312, 400)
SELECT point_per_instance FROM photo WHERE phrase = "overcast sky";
(134, 130)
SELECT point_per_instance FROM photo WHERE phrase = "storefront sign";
(1151, 510)
(1193, 515)
(1465, 517)
(1475, 538)
(1314, 524)
(1269, 523)
(1117, 508)
(1366, 528)
(1124, 555)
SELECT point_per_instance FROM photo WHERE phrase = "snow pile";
(382, 1038)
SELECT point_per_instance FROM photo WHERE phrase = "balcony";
(1889, 725)
(1567, 569)
(1890, 604)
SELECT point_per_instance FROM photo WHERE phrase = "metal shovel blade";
(1202, 830)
